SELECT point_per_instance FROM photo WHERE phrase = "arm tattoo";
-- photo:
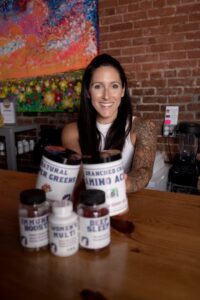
(144, 155)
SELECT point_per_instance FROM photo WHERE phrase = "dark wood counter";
(154, 252)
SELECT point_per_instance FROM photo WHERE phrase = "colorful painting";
(53, 93)
(42, 37)
(44, 47)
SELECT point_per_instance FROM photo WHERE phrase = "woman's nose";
(106, 93)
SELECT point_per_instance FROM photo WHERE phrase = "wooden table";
(155, 256)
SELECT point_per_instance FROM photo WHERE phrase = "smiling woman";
(106, 122)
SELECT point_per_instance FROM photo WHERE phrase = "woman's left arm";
(145, 134)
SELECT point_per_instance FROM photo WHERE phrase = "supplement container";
(33, 219)
(58, 173)
(94, 220)
(63, 229)
(104, 171)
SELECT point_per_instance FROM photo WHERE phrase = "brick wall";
(158, 43)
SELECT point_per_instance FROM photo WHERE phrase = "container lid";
(188, 128)
(62, 208)
(102, 157)
(32, 196)
(92, 197)
(62, 155)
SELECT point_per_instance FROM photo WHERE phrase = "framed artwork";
(44, 47)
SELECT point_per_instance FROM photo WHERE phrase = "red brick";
(194, 17)
(171, 73)
(193, 107)
(146, 23)
(154, 99)
(116, 43)
(121, 27)
(192, 35)
(121, 9)
(159, 47)
(182, 64)
(173, 55)
(181, 82)
(141, 15)
(168, 11)
(146, 58)
(155, 66)
(194, 54)
(111, 20)
(185, 27)
(192, 90)
(157, 31)
(187, 45)
(147, 107)
(104, 3)
(168, 91)
(173, 20)
(134, 6)
(193, 7)
(146, 5)
(184, 73)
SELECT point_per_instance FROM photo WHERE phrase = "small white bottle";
(26, 146)
(63, 229)
(20, 148)
(31, 145)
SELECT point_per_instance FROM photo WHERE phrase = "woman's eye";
(97, 86)
(115, 86)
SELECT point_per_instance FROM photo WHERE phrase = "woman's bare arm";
(70, 137)
(145, 134)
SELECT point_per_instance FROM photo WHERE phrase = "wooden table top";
(154, 252)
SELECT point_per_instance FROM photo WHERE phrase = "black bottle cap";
(61, 155)
(104, 156)
(92, 197)
(32, 196)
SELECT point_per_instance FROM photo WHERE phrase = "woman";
(105, 122)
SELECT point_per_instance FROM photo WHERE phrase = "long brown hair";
(89, 135)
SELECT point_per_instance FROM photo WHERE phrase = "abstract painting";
(43, 38)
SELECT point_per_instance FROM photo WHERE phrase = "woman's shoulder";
(70, 136)
(143, 123)
(143, 128)
(71, 126)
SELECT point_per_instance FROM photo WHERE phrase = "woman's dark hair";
(89, 135)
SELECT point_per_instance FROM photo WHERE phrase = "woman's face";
(106, 91)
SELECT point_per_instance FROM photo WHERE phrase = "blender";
(184, 174)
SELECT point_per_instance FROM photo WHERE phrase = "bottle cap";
(102, 157)
(62, 208)
(62, 155)
(32, 196)
(92, 197)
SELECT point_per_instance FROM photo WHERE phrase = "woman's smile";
(106, 92)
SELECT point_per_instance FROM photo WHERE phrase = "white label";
(94, 232)
(171, 115)
(108, 177)
(7, 109)
(34, 231)
(57, 180)
(63, 238)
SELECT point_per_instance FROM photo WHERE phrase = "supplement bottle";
(33, 219)
(94, 220)
(104, 171)
(63, 229)
(58, 173)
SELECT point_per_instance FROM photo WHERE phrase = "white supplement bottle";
(63, 229)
